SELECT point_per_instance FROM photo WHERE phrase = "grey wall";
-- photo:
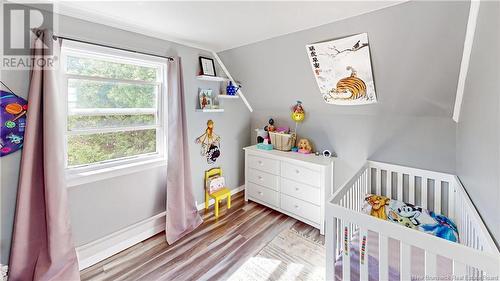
(478, 140)
(415, 49)
(101, 208)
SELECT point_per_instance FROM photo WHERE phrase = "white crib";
(475, 257)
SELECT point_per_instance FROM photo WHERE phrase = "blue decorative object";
(443, 227)
(265, 146)
(231, 89)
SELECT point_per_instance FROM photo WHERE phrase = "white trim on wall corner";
(464, 65)
(103, 248)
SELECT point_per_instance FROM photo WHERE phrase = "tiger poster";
(343, 70)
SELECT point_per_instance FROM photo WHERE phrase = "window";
(115, 103)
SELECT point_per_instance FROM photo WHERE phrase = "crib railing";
(475, 256)
(439, 192)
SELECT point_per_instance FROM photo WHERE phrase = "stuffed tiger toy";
(351, 84)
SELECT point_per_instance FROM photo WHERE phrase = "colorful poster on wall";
(343, 70)
(13, 122)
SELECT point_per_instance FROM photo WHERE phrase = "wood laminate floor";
(213, 251)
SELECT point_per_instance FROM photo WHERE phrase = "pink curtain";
(42, 246)
(182, 215)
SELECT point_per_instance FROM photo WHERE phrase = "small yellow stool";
(219, 195)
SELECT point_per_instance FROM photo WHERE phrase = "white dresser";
(289, 182)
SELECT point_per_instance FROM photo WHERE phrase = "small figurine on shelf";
(204, 102)
(304, 146)
(270, 127)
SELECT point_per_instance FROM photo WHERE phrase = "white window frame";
(82, 174)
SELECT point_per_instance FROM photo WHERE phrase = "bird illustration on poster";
(343, 70)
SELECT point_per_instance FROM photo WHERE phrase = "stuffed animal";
(408, 211)
(270, 127)
(261, 135)
(404, 221)
(304, 146)
(443, 227)
(378, 204)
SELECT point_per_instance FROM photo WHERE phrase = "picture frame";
(207, 66)
(206, 99)
(343, 71)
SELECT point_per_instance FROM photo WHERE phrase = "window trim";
(81, 174)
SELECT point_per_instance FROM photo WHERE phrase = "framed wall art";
(343, 70)
(206, 99)
(207, 66)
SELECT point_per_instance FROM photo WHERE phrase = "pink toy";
(285, 130)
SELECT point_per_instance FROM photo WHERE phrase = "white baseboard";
(103, 248)
(201, 206)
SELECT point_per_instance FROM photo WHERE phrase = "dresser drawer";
(301, 191)
(263, 178)
(263, 194)
(264, 164)
(300, 174)
(301, 208)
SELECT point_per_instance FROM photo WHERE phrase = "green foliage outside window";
(84, 149)
(90, 94)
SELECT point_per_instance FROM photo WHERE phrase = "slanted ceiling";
(216, 26)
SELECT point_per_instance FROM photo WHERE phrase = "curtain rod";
(55, 37)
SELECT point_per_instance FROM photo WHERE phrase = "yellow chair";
(219, 195)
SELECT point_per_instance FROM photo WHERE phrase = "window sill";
(80, 178)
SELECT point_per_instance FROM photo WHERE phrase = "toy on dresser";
(265, 144)
(270, 127)
(263, 140)
(304, 146)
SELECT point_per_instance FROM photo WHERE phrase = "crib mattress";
(444, 265)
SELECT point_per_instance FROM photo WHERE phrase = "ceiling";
(217, 26)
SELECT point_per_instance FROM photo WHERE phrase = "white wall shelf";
(210, 110)
(212, 78)
(228, 97)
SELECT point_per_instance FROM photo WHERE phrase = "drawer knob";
(296, 206)
(296, 189)
(259, 177)
(260, 162)
(260, 193)
(297, 171)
